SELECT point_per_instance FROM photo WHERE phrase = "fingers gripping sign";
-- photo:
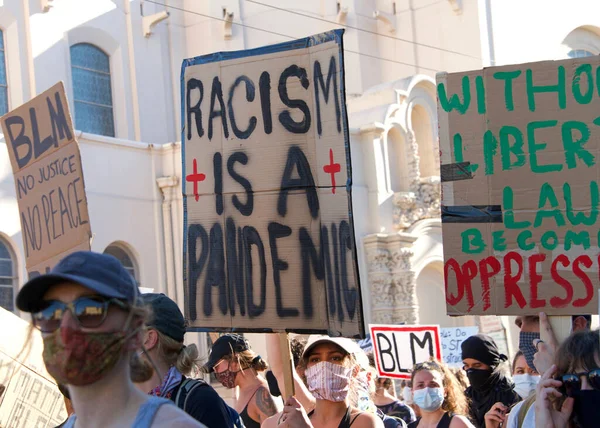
(546, 394)
(294, 415)
(496, 416)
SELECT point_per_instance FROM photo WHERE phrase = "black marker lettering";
(20, 140)
(195, 263)
(216, 93)
(296, 158)
(350, 295)
(250, 92)
(277, 231)
(265, 101)
(218, 173)
(318, 81)
(247, 208)
(251, 237)
(215, 274)
(285, 117)
(235, 267)
(195, 110)
(58, 119)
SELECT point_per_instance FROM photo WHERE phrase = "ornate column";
(391, 278)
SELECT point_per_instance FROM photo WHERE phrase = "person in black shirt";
(162, 368)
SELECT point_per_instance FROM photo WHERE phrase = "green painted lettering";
(508, 214)
(578, 218)
(574, 147)
(547, 195)
(458, 152)
(480, 89)
(559, 88)
(490, 148)
(472, 241)
(506, 149)
(498, 240)
(454, 102)
(550, 240)
(577, 238)
(536, 147)
(522, 240)
(576, 84)
(508, 77)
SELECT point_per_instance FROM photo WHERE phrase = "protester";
(389, 404)
(439, 397)
(91, 321)
(332, 377)
(489, 385)
(539, 357)
(572, 397)
(524, 377)
(235, 364)
(164, 348)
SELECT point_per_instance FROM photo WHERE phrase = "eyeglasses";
(219, 363)
(571, 382)
(88, 312)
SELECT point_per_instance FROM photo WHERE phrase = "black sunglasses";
(571, 382)
(88, 311)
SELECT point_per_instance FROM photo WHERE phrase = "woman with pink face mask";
(331, 374)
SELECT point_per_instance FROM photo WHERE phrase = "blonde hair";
(185, 358)
(455, 400)
(249, 359)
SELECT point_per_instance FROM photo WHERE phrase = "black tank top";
(346, 422)
(248, 421)
(443, 423)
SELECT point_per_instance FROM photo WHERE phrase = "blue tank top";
(144, 418)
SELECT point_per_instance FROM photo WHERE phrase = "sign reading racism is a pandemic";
(269, 240)
(519, 153)
(45, 159)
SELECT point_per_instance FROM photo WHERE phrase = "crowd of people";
(120, 360)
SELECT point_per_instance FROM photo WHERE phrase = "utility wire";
(361, 29)
(289, 37)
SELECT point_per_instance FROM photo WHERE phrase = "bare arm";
(302, 393)
(264, 404)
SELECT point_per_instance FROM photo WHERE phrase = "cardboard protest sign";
(269, 240)
(45, 159)
(452, 338)
(397, 348)
(29, 396)
(520, 187)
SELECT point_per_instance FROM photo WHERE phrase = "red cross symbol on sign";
(195, 177)
(332, 169)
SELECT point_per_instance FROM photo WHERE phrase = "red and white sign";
(398, 348)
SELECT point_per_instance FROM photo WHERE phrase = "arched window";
(92, 91)
(3, 81)
(7, 277)
(579, 53)
(124, 257)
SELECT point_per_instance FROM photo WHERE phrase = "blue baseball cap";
(166, 315)
(101, 273)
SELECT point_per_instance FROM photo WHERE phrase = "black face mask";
(479, 378)
(586, 410)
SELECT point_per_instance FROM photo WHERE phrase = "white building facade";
(120, 61)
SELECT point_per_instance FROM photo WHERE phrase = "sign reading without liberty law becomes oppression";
(520, 198)
(269, 240)
(45, 159)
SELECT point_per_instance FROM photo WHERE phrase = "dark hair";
(581, 350)
(514, 363)
(64, 390)
(297, 347)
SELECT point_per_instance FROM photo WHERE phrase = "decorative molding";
(410, 207)
(227, 24)
(341, 16)
(392, 280)
(45, 5)
(148, 22)
(388, 19)
(456, 6)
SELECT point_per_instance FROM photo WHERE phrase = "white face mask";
(407, 394)
(328, 381)
(525, 384)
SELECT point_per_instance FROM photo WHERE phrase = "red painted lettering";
(450, 299)
(534, 280)
(511, 286)
(488, 268)
(557, 302)
(587, 262)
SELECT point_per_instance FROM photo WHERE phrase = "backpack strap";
(186, 387)
(527, 403)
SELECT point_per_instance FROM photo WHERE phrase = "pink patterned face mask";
(329, 381)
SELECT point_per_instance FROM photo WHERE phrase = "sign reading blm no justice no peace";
(268, 236)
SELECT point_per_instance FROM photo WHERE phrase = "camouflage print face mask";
(81, 358)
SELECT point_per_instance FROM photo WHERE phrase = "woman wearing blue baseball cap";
(91, 322)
